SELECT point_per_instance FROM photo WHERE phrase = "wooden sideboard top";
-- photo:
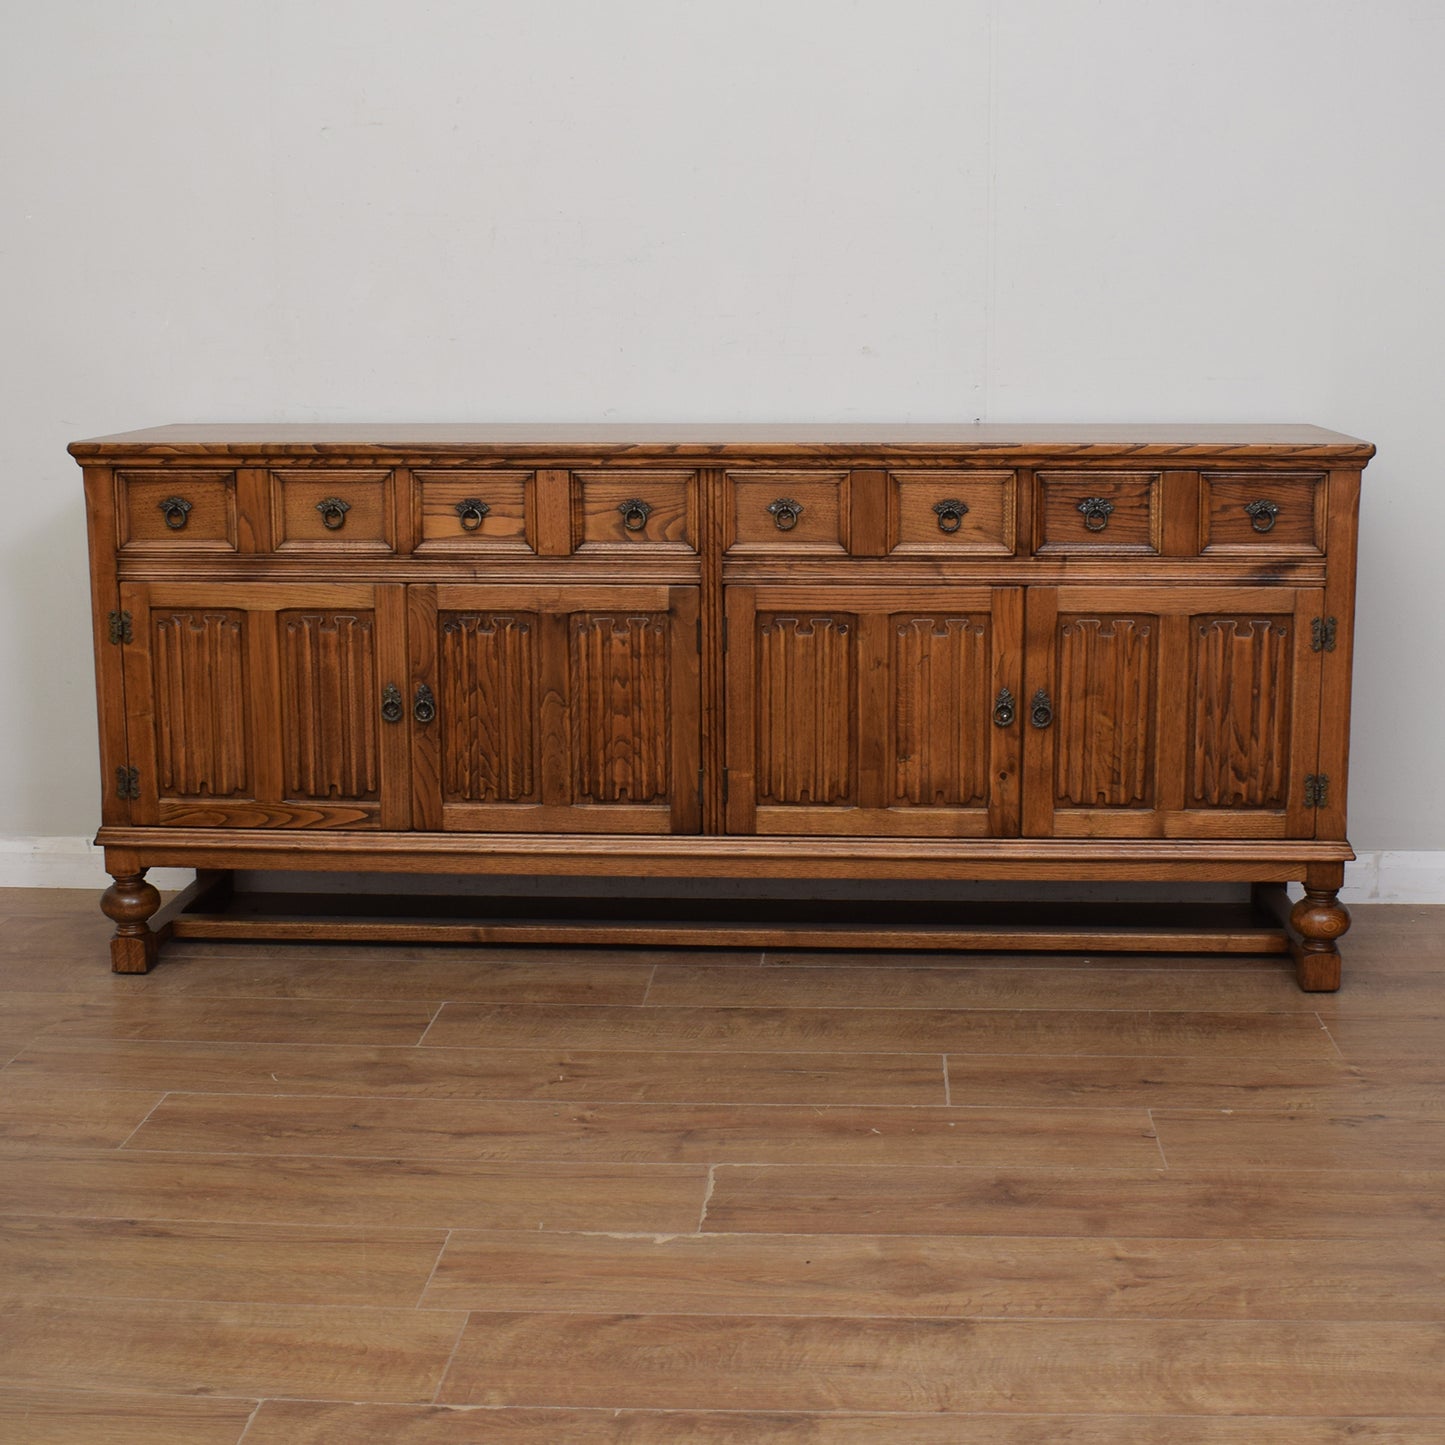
(723, 440)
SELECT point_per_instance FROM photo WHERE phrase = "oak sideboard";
(908, 654)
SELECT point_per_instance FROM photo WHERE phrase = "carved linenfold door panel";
(873, 710)
(1170, 712)
(569, 709)
(260, 705)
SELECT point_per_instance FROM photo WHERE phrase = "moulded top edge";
(703, 442)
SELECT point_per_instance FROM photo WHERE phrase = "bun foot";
(129, 902)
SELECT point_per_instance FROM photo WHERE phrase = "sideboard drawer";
(787, 513)
(332, 511)
(473, 511)
(627, 511)
(1090, 512)
(1244, 513)
(952, 514)
(161, 510)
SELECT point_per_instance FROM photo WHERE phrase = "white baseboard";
(1383, 876)
(67, 863)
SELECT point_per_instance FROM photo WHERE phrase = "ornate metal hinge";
(127, 783)
(1322, 634)
(121, 629)
(1317, 790)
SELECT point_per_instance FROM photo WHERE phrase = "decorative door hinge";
(1317, 790)
(127, 783)
(1322, 634)
(121, 629)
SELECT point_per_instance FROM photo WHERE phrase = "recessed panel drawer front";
(621, 511)
(1091, 513)
(164, 510)
(1247, 513)
(952, 514)
(474, 511)
(787, 513)
(333, 511)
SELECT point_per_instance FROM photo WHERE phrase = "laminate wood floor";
(290, 1195)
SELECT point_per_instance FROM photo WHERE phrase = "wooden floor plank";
(1194, 1081)
(823, 984)
(1142, 1367)
(1421, 1038)
(993, 1031)
(646, 1133)
(910, 1276)
(286, 1422)
(276, 1021)
(859, 1078)
(42, 1117)
(385, 1193)
(77, 1417)
(1215, 1139)
(23, 1014)
(281, 1264)
(1341, 1204)
(352, 972)
(229, 1349)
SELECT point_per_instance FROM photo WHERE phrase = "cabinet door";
(557, 708)
(1170, 712)
(260, 705)
(874, 710)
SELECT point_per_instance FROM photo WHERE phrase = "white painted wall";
(759, 209)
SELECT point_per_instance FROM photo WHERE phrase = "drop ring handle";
(1096, 512)
(1262, 514)
(470, 513)
(950, 514)
(177, 512)
(635, 513)
(333, 513)
(785, 513)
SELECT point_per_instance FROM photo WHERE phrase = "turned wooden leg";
(1319, 918)
(129, 901)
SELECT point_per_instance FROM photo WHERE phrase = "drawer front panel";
(1098, 513)
(952, 514)
(175, 510)
(333, 511)
(787, 513)
(1246, 513)
(620, 512)
(473, 511)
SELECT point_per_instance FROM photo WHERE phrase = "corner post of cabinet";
(110, 628)
(1342, 512)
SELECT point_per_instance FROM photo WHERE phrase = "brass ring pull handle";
(634, 514)
(1262, 514)
(1096, 513)
(333, 512)
(470, 513)
(786, 513)
(391, 708)
(424, 709)
(1003, 708)
(1042, 712)
(950, 514)
(177, 511)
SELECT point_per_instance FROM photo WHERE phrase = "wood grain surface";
(436, 1197)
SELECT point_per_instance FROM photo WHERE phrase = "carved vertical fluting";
(329, 709)
(200, 703)
(805, 700)
(488, 706)
(1241, 711)
(619, 682)
(1104, 712)
(941, 678)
